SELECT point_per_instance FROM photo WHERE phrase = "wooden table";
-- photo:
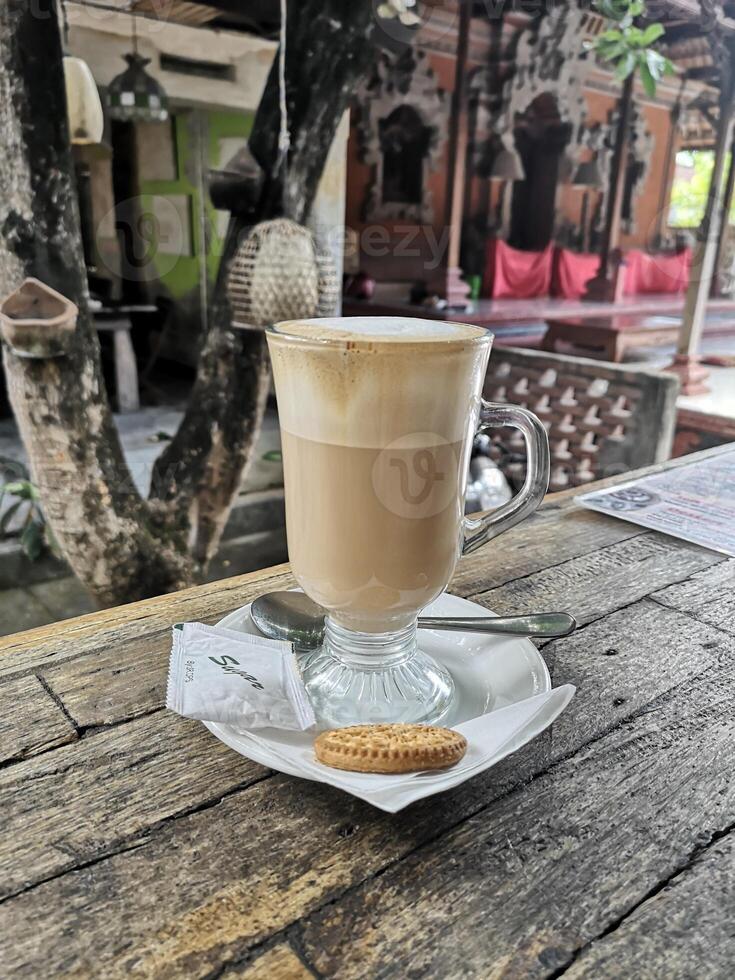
(135, 844)
(609, 337)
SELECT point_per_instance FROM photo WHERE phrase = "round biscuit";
(390, 748)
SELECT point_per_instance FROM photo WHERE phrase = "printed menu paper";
(695, 502)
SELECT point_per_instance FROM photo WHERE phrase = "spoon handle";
(538, 624)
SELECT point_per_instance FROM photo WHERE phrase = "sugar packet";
(222, 675)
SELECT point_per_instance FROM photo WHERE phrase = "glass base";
(375, 678)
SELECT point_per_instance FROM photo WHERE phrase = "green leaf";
(8, 516)
(273, 456)
(625, 66)
(655, 63)
(611, 51)
(23, 489)
(31, 540)
(648, 79)
(613, 9)
(652, 33)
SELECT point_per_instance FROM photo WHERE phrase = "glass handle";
(478, 530)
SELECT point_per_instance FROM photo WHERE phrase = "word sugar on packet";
(238, 679)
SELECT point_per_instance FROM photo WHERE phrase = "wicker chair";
(602, 419)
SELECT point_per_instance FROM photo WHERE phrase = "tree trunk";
(119, 545)
(107, 533)
(328, 52)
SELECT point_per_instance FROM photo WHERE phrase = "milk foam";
(381, 379)
(381, 328)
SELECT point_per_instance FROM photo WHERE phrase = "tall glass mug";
(377, 420)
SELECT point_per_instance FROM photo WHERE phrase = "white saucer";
(490, 673)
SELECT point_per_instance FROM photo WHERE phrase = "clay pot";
(36, 321)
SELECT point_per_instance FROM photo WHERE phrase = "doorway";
(540, 139)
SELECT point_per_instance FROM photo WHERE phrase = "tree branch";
(199, 473)
(105, 530)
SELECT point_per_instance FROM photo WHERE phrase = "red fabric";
(512, 274)
(572, 272)
(656, 273)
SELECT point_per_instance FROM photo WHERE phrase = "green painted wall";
(196, 135)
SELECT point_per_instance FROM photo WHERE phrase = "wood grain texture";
(219, 881)
(279, 963)
(536, 544)
(515, 891)
(604, 580)
(146, 848)
(114, 683)
(709, 595)
(67, 807)
(684, 930)
(119, 680)
(30, 720)
(22, 652)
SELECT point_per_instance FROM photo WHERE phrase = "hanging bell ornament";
(279, 272)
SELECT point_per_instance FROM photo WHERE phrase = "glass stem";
(369, 650)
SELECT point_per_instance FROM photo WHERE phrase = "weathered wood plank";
(540, 543)
(608, 579)
(62, 641)
(72, 805)
(708, 595)
(113, 684)
(279, 963)
(517, 890)
(30, 720)
(230, 877)
(129, 680)
(125, 679)
(686, 930)
(625, 661)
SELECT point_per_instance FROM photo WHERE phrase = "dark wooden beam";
(603, 286)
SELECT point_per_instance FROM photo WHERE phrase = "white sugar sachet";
(222, 675)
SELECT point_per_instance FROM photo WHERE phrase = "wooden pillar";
(686, 363)
(448, 282)
(727, 197)
(603, 286)
(666, 178)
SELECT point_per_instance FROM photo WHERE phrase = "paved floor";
(721, 398)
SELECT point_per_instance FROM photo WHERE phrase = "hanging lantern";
(134, 95)
(280, 273)
(84, 108)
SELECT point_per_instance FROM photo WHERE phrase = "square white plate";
(501, 682)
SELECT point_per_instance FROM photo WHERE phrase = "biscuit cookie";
(390, 748)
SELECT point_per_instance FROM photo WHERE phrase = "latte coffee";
(377, 417)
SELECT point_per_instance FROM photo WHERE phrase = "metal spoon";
(294, 616)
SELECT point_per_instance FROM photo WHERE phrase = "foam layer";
(380, 328)
(370, 390)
